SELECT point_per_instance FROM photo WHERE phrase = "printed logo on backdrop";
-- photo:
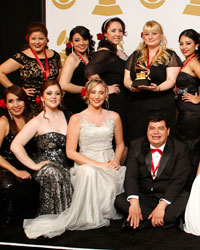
(152, 4)
(62, 39)
(107, 8)
(193, 8)
(63, 4)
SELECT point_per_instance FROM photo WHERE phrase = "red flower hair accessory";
(38, 100)
(141, 34)
(100, 36)
(27, 38)
(83, 92)
(2, 104)
(69, 45)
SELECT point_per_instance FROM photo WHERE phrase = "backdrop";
(174, 16)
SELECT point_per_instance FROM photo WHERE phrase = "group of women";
(82, 197)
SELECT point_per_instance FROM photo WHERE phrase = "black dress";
(188, 121)
(31, 75)
(19, 198)
(74, 102)
(142, 104)
(110, 68)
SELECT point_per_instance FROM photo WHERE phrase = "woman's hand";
(153, 87)
(114, 89)
(40, 165)
(22, 174)
(30, 91)
(112, 164)
(195, 99)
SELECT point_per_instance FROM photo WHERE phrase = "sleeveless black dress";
(188, 121)
(74, 102)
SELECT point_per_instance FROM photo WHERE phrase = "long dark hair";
(105, 43)
(85, 33)
(27, 114)
(195, 36)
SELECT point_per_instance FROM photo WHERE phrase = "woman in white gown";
(96, 176)
(192, 212)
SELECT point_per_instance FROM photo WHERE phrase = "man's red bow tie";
(153, 150)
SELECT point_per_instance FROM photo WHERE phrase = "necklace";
(80, 57)
(149, 63)
(46, 73)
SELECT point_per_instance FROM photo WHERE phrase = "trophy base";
(139, 82)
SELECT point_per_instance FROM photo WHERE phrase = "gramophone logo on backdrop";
(193, 8)
(107, 8)
(152, 4)
(63, 4)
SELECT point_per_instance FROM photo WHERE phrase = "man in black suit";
(157, 170)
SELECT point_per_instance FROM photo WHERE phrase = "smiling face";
(52, 96)
(14, 104)
(79, 44)
(152, 38)
(97, 96)
(187, 46)
(157, 133)
(114, 33)
(37, 41)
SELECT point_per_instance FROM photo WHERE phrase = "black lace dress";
(110, 68)
(32, 76)
(53, 178)
(18, 198)
(188, 121)
(140, 105)
(74, 102)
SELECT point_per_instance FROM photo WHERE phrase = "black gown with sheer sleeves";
(140, 105)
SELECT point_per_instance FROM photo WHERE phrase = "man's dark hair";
(159, 116)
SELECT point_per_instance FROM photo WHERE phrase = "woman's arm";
(66, 75)
(128, 81)
(6, 68)
(198, 170)
(21, 139)
(73, 132)
(4, 128)
(119, 141)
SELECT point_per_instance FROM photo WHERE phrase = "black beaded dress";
(140, 105)
(188, 121)
(110, 68)
(53, 178)
(32, 76)
(74, 102)
(18, 197)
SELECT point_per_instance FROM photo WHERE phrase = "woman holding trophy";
(150, 75)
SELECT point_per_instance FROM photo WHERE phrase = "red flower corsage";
(2, 104)
(69, 45)
(83, 92)
(38, 100)
(141, 34)
(100, 36)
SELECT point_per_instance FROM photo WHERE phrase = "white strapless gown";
(192, 212)
(95, 188)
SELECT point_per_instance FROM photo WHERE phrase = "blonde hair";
(162, 56)
(93, 83)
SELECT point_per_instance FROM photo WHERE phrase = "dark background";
(15, 16)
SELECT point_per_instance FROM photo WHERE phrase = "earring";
(43, 104)
(106, 103)
(160, 42)
(11, 117)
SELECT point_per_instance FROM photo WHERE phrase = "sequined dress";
(53, 178)
(95, 188)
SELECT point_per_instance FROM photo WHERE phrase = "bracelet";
(131, 88)
(158, 88)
